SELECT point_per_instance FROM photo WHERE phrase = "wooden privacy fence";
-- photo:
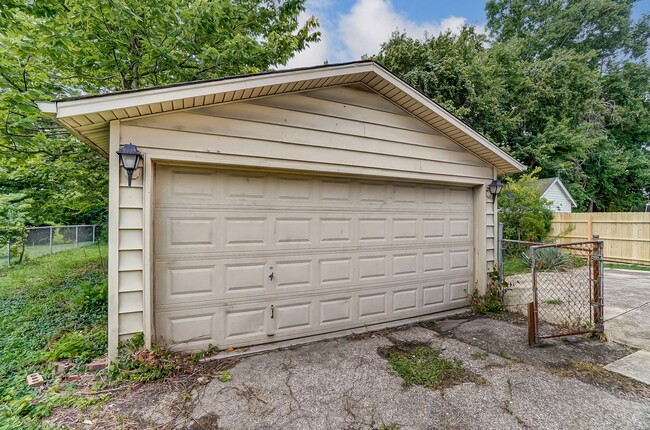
(626, 234)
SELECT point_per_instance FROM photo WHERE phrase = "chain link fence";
(516, 273)
(567, 288)
(562, 283)
(39, 241)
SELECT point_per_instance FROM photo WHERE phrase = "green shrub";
(551, 259)
(522, 210)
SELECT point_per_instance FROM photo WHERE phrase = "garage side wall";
(126, 249)
(335, 131)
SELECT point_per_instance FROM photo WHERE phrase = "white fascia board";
(48, 108)
(449, 117)
(121, 101)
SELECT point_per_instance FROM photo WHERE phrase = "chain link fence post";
(51, 238)
(597, 273)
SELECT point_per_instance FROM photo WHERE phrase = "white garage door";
(244, 258)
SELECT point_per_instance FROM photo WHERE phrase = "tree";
(52, 49)
(14, 216)
(454, 70)
(551, 105)
(603, 26)
(522, 210)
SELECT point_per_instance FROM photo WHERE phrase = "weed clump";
(420, 364)
(492, 302)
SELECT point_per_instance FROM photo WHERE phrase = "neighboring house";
(285, 204)
(555, 192)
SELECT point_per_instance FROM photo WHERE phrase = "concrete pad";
(348, 383)
(625, 290)
(635, 366)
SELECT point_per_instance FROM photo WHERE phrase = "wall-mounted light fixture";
(129, 158)
(495, 188)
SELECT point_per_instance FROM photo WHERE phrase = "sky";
(352, 28)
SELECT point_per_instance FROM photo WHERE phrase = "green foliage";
(560, 85)
(554, 302)
(81, 345)
(46, 306)
(522, 210)
(422, 365)
(224, 376)
(480, 355)
(603, 26)
(52, 49)
(135, 363)
(551, 259)
(492, 301)
(513, 265)
(627, 267)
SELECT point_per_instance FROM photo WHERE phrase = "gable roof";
(88, 117)
(545, 183)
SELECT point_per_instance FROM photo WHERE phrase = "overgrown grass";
(51, 308)
(515, 265)
(627, 267)
(419, 364)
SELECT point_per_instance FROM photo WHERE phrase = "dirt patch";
(209, 421)
(420, 364)
(117, 411)
(581, 357)
(597, 375)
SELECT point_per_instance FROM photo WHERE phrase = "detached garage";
(287, 204)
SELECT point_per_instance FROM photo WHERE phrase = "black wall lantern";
(495, 188)
(129, 158)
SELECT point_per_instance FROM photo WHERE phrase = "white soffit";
(88, 117)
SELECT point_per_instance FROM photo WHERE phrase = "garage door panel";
(433, 228)
(181, 230)
(183, 185)
(459, 227)
(190, 329)
(433, 295)
(246, 323)
(336, 311)
(187, 281)
(244, 258)
(405, 300)
(268, 321)
(221, 280)
(458, 291)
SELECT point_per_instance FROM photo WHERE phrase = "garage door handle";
(272, 311)
(271, 276)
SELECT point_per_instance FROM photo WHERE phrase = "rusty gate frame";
(595, 263)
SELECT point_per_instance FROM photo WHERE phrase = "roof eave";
(62, 109)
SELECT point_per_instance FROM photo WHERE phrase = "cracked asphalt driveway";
(347, 384)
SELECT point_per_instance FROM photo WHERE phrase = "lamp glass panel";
(129, 161)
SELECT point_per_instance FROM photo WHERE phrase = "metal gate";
(567, 290)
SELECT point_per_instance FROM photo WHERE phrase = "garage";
(245, 257)
(286, 204)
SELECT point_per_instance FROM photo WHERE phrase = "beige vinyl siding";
(130, 264)
(277, 129)
(335, 131)
(78, 114)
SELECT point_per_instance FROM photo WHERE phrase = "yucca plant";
(550, 259)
